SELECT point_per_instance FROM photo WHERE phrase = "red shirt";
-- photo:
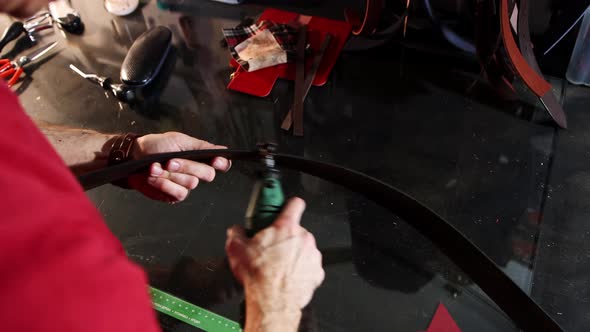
(61, 269)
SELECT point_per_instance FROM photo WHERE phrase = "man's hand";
(174, 181)
(280, 269)
(86, 150)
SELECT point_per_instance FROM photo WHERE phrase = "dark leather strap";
(488, 41)
(524, 36)
(370, 20)
(533, 80)
(121, 148)
(298, 103)
(309, 77)
(477, 265)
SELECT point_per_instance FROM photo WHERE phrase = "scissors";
(12, 70)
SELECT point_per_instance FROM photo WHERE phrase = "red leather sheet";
(442, 321)
(260, 83)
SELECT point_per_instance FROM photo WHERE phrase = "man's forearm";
(83, 150)
(260, 321)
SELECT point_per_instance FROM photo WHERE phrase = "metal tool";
(267, 197)
(15, 30)
(12, 70)
(141, 65)
(39, 22)
(120, 91)
(66, 16)
(29, 27)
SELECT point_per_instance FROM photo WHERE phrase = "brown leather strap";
(309, 77)
(371, 18)
(499, 73)
(536, 83)
(524, 36)
(526, 70)
(299, 82)
(121, 148)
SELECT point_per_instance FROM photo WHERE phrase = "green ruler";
(190, 313)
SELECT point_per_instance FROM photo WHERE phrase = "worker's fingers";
(188, 181)
(237, 232)
(166, 186)
(285, 226)
(221, 164)
(201, 171)
(183, 142)
(186, 143)
(290, 216)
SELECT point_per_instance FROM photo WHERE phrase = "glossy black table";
(513, 184)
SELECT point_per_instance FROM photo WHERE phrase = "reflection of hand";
(280, 269)
(173, 182)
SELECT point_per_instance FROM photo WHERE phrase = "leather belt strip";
(521, 308)
(524, 36)
(309, 77)
(496, 68)
(370, 20)
(533, 80)
(299, 82)
(113, 173)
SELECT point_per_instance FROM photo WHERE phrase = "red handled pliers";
(12, 70)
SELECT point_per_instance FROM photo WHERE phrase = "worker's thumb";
(237, 250)
(291, 214)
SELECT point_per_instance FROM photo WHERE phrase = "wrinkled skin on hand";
(280, 267)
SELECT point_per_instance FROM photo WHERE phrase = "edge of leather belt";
(537, 84)
(370, 20)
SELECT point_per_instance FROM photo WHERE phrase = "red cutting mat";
(260, 83)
